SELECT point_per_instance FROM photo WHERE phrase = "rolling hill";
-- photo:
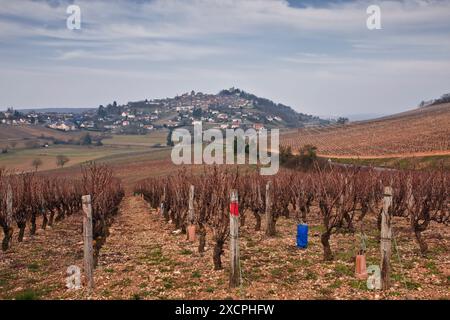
(17, 136)
(230, 103)
(419, 132)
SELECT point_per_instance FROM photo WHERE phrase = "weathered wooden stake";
(270, 224)
(235, 273)
(386, 235)
(191, 215)
(87, 237)
(9, 220)
(164, 211)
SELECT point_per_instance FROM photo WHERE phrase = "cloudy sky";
(317, 56)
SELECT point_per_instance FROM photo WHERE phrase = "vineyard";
(180, 234)
(27, 198)
(419, 132)
(344, 197)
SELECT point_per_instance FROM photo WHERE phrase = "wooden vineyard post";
(191, 215)
(164, 212)
(191, 205)
(9, 219)
(87, 237)
(235, 273)
(386, 235)
(270, 225)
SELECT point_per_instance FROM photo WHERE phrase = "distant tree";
(307, 156)
(36, 163)
(102, 111)
(305, 160)
(61, 160)
(197, 113)
(342, 120)
(309, 151)
(286, 155)
(169, 139)
(114, 104)
(86, 140)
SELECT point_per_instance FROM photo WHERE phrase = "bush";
(61, 160)
(86, 140)
(306, 158)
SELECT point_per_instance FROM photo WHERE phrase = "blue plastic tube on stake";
(302, 235)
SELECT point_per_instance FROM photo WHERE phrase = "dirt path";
(142, 258)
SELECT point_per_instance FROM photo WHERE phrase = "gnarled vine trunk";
(8, 233)
(21, 226)
(202, 238)
(218, 251)
(258, 221)
(327, 253)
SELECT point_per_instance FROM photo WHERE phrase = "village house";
(63, 126)
(222, 116)
(258, 126)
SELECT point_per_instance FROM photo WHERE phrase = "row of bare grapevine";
(343, 196)
(31, 196)
(106, 195)
(51, 199)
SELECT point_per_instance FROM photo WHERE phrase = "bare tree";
(61, 160)
(36, 163)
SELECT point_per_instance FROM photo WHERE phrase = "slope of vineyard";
(419, 132)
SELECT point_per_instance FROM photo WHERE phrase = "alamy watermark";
(374, 20)
(374, 278)
(73, 281)
(210, 145)
(73, 21)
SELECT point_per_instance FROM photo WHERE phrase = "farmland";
(154, 139)
(419, 132)
(18, 136)
(21, 159)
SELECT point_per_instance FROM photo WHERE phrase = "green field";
(117, 147)
(149, 140)
(22, 159)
